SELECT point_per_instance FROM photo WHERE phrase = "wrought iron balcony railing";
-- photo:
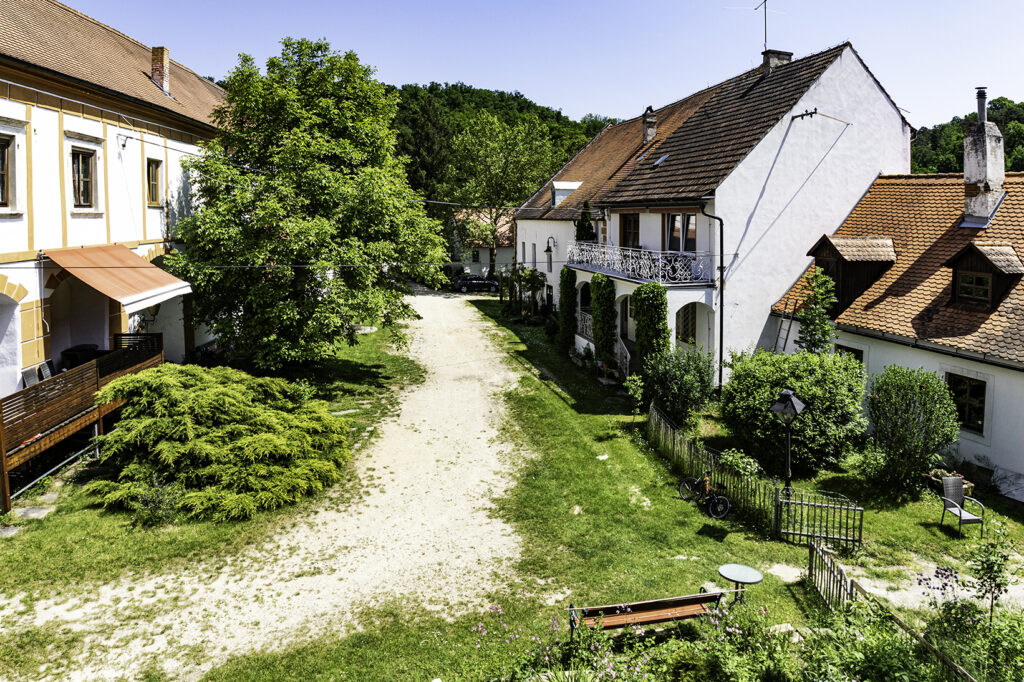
(585, 325)
(665, 267)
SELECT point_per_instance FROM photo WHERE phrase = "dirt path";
(422, 534)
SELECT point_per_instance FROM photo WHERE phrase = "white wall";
(999, 447)
(798, 183)
(79, 314)
(537, 232)
(10, 346)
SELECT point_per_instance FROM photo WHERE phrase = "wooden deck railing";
(40, 416)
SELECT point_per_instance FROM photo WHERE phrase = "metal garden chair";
(953, 502)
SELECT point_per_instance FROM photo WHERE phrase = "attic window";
(660, 159)
(974, 287)
(561, 189)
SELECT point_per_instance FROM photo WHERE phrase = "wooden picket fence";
(795, 515)
(829, 580)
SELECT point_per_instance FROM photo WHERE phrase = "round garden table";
(740, 575)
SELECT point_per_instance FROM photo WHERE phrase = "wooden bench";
(616, 616)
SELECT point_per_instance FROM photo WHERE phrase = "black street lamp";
(787, 408)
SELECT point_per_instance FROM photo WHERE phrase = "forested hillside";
(430, 117)
(940, 149)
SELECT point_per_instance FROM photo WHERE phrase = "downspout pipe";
(721, 289)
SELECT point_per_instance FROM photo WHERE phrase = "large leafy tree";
(305, 224)
(496, 166)
(940, 149)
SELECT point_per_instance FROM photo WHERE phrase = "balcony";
(670, 268)
(43, 414)
(585, 325)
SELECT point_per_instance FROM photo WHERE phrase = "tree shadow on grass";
(587, 394)
(862, 492)
(325, 376)
(716, 533)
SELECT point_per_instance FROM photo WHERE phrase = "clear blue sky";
(612, 58)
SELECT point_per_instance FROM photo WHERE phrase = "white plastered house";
(715, 193)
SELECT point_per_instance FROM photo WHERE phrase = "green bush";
(739, 463)
(567, 309)
(913, 418)
(831, 386)
(602, 301)
(215, 443)
(650, 312)
(679, 382)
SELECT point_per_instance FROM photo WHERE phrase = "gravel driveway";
(421, 534)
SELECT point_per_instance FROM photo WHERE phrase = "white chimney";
(984, 168)
(650, 124)
(161, 73)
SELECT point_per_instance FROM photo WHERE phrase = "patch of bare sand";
(423, 534)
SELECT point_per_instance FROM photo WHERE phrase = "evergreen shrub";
(602, 302)
(650, 312)
(215, 444)
(913, 418)
(567, 309)
(831, 385)
(679, 382)
(817, 332)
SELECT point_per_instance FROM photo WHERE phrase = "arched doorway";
(694, 326)
(585, 296)
(80, 315)
(10, 346)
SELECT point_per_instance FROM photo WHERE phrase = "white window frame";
(160, 198)
(81, 141)
(17, 186)
(985, 437)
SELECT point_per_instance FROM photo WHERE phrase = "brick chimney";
(161, 73)
(984, 168)
(773, 58)
(650, 125)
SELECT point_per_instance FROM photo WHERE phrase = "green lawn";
(80, 543)
(600, 522)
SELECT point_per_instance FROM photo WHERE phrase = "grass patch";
(37, 651)
(79, 543)
(600, 521)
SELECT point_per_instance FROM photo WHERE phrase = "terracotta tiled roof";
(709, 144)
(864, 249)
(503, 233)
(912, 299)
(47, 34)
(607, 159)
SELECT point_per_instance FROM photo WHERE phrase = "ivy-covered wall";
(650, 313)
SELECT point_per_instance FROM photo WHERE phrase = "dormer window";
(974, 287)
(984, 271)
(853, 263)
(560, 190)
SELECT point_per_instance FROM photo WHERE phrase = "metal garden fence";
(795, 515)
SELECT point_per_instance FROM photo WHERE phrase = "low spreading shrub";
(830, 385)
(913, 418)
(216, 444)
(679, 382)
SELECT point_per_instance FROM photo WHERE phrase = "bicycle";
(700, 490)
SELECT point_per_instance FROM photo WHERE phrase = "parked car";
(466, 283)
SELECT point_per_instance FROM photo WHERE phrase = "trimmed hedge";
(650, 312)
(567, 309)
(831, 385)
(215, 443)
(602, 302)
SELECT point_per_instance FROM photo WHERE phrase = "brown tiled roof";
(863, 249)
(1001, 255)
(54, 37)
(710, 143)
(503, 233)
(921, 214)
(607, 159)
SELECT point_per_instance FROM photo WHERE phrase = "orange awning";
(117, 272)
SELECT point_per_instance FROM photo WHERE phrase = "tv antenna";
(764, 4)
